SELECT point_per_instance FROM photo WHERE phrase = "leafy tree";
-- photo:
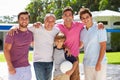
(38, 8)
(91, 4)
(115, 41)
(114, 4)
(103, 4)
(6, 19)
(109, 4)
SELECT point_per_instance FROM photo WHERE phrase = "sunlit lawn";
(113, 57)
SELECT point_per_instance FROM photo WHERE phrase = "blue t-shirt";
(91, 39)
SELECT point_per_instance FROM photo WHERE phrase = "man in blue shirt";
(94, 42)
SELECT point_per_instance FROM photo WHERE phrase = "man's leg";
(43, 70)
(101, 75)
(22, 73)
(48, 70)
(39, 70)
(27, 73)
(89, 72)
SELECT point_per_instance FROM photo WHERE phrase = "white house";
(110, 19)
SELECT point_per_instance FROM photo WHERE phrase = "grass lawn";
(113, 57)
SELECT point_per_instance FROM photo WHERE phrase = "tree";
(6, 19)
(34, 9)
(114, 4)
(38, 8)
(109, 4)
(103, 4)
(91, 4)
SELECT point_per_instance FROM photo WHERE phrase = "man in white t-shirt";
(43, 48)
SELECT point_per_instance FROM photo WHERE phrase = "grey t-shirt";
(58, 58)
(43, 44)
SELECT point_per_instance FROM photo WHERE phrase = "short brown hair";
(59, 36)
(84, 11)
(24, 12)
(68, 8)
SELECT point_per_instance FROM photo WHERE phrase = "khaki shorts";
(92, 74)
(62, 77)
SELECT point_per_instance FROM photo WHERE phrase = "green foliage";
(103, 4)
(109, 4)
(38, 8)
(115, 41)
(91, 4)
(114, 4)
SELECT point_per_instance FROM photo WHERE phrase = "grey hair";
(48, 15)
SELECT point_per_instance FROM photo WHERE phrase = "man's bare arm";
(7, 48)
(101, 55)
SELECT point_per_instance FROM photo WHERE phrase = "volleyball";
(65, 66)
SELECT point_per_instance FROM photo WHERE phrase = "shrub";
(115, 41)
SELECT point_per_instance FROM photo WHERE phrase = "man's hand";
(12, 31)
(98, 67)
(100, 26)
(37, 24)
(12, 70)
(69, 72)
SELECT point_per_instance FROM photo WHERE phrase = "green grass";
(2, 58)
(112, 57)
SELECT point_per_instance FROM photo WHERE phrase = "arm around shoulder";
(12, 30)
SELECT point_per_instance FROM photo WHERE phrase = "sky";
(12, 7)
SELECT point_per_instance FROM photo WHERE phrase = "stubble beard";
(23, 26)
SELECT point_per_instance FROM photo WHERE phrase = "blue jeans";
(43, 70)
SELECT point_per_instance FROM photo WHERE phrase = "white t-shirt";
(43, 44)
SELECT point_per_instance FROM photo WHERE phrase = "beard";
(23, 26)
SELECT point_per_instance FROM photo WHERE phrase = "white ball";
(65, 66)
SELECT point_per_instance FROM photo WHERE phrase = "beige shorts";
(91, 74)
(62, 77)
